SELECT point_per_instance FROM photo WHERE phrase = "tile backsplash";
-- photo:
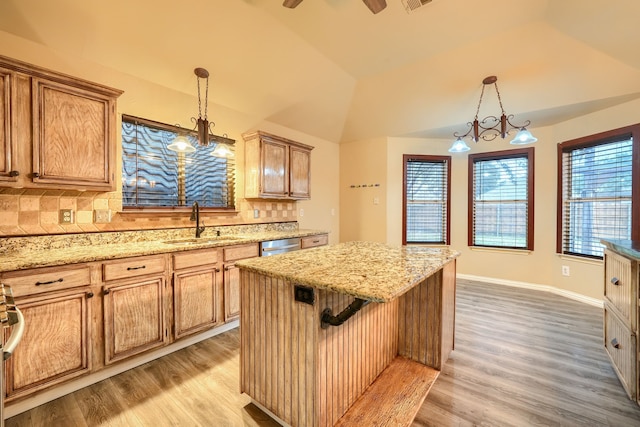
(36, 212)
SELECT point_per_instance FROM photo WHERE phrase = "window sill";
(168, 212)
(501, 250)
(584, 260)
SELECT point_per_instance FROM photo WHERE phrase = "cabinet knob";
(13, 174)
(89, 294)
(615, 281)
(36, 175)
(106, 291)
(615, 343)
(217, 270)
(227, 268)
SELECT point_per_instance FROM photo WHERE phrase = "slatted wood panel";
(351, 356)
(624, 356)
(427, 317)
(279, 348)
(622, 296)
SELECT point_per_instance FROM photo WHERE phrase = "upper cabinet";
(276, 167)
(56, 131)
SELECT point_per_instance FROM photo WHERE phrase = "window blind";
(501, 201)
(154, 176)
(426, 200)
(596, 196)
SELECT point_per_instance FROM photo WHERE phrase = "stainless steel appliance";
(274, 247)
(10, 316)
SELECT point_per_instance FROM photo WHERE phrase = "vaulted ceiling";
(332, 69)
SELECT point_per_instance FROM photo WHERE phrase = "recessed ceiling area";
(333, 69)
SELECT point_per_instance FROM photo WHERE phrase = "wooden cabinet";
(313, 241)
(57, 131)
(232, 277)
(621, 318)
(56, 345)
(134, 306)
(197, 291)
(276, 167)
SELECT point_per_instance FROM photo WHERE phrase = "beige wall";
(35, 212)
(542, 266)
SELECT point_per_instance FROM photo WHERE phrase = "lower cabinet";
(56, 345)
(620, 345)
(232, 277)
(197, 291)
(134, 307)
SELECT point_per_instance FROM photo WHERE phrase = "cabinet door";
(275, 170)
(196, 298)
(72, 134)
(56, 342)
(134, 317)
(8, 152)
(231, 292)
(300, 173)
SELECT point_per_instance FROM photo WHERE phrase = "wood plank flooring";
(521, 358)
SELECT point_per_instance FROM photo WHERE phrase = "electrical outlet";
(65, 216)
(566, 271)
(256, 213)
(301, 212)
(102, 216)
(376, 200)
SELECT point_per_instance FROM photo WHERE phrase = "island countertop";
(367, 270)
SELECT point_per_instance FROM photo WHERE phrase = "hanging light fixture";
(181, 143)
(490, 127)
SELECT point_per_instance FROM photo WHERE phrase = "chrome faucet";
(195, 216)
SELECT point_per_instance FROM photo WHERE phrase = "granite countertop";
(629, 248)
(52, 253)
(367, 270)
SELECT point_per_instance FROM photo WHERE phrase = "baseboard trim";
(535, 286)
(45, 396)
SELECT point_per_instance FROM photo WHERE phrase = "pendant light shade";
(181, 145)
(222, 150)
(459, 146)
(523, 137)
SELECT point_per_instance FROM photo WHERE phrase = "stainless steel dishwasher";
(275, 247)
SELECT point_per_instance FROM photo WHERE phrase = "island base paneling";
(307, 375)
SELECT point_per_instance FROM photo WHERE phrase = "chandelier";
(182, 144)
(490, 127)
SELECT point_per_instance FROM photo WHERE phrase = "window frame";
(169, 210)
(529, 153)
(632, 131)
(426, 158)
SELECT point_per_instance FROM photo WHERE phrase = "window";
(501, 199)
(425, 214)
(156, 177)
(599, 191)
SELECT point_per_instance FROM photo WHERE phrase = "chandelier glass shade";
(490, 127)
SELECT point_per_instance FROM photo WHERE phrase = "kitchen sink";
(201, 241)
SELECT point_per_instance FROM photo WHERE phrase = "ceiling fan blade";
(375, 6)
(291, 3)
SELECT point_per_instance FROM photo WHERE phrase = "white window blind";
(426, 199)
(501, 200)
(596, 196)
(154, 176)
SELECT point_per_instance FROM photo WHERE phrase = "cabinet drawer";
(620, 286)
(132, 267)
(40, 280)
(195, 258)
(234, 253)
(620, 344)
(313, 241)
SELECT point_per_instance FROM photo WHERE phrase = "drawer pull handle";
(615, 343)
(60, 280)
(615, 281)
(136, 268)
(316, 241)
(89, 294)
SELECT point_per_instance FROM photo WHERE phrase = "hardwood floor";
(522, 358)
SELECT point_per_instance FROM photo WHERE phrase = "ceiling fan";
(374, 6)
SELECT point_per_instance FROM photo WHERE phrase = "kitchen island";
(319, 326)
